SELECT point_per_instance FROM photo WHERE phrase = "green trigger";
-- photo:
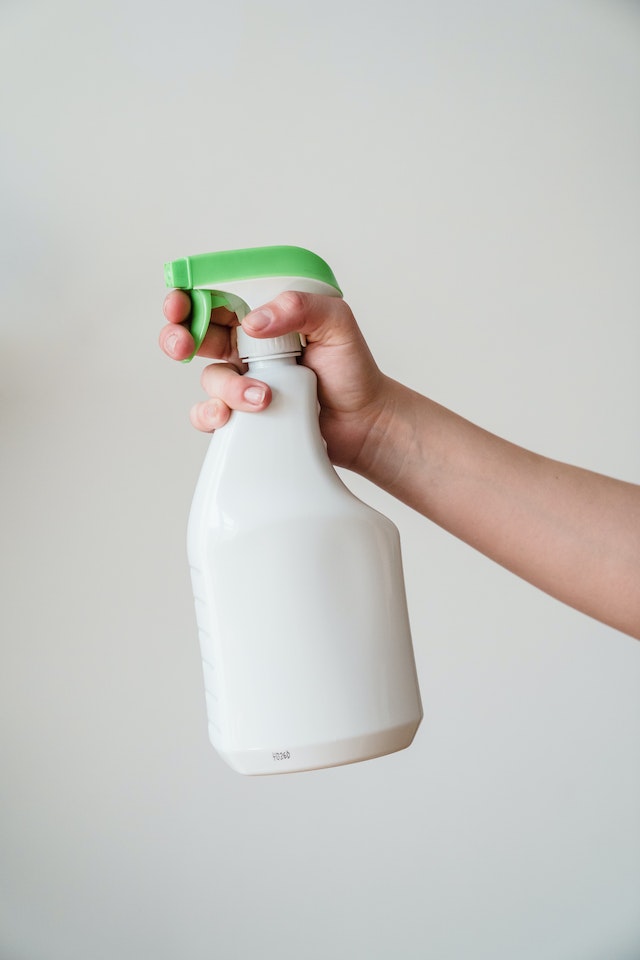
(202, 303)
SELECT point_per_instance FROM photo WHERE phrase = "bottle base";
(336, 753)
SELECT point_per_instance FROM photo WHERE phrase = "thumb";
(322, 319)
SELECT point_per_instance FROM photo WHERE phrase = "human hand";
(352, 391)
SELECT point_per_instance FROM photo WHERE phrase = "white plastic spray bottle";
(298, 585)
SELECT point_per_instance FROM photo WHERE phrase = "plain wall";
(471, 171)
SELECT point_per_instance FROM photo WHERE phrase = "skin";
(570, 532)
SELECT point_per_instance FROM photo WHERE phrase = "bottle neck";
(254, 348)
(260, 363)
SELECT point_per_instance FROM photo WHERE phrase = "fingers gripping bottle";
(298, 585)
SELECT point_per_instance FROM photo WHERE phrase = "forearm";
(570, 532)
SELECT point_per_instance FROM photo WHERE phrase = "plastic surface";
(244, 279)
(300, 600)
(212, 269)
(298, 585)
(252, 348)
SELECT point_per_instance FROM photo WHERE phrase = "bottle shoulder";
(284, 370)
(290, 420)
(274, 464)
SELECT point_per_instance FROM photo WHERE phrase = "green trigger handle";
(204, 277)
(202, 303)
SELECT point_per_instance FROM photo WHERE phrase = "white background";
(471, 171)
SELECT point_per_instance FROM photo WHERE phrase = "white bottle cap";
(250, 348)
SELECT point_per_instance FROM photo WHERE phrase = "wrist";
(388, 446)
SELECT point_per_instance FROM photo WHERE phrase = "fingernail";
(170, 343)
(260, 319)
(255, 395)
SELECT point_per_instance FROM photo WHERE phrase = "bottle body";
(299, 594)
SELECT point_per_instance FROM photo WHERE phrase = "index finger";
(177, 306)
(176, 339)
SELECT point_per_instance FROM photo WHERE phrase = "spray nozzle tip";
(177, 274)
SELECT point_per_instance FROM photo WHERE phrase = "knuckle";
(205, 376)
(214, 412)
(292, 302)
(209, 415)
(210, 376)
(197, 419)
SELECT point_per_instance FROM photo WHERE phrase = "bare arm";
(572, 533)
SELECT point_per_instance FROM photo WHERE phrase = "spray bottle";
(298, 585)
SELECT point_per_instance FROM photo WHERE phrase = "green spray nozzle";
(243, 279)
